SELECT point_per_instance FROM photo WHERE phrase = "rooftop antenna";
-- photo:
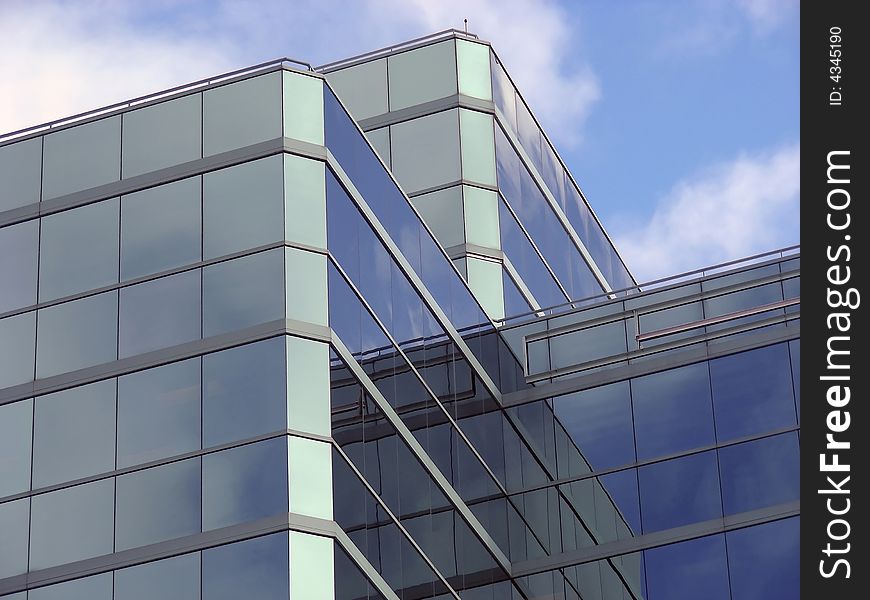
(466, 25)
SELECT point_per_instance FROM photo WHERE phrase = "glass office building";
(354, 332)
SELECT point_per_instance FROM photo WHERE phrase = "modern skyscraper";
(252, 346)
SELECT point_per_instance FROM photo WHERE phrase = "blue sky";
(679, 118)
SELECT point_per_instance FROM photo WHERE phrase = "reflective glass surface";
(363, 88)
(241, 113)
(761, 473)
(55, 538)
(161, 228)
(157, 504)
(16, 421)
(473, 66)
(242, 206)
(244, 392)
(306, 302)
(310, 466)
(164, 134)
(160, 313)
(679, 491)
(764, 561)
(244, 484)
(481, 217)
(78, 250)
(230, 572)
(407, 88)
(426, 151)
(304, 201)
(688, 570)
(311, 566)
(20, 171)
(19, 246)
(14, 523)
(77, 334)
(478, 151)
(307, 385)
(175, 578)
(303, 107)
(159, 412)
(74, 433)
(66, 169)
(17, 345)
(442, 212)
(484, 279)
(96, 587)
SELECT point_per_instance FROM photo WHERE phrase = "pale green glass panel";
(308, 386)
(303, 108)
(243, 207)
(17, 343)
(312, 568)
(16, 431)
(481, 217)
(442, 212)
(81, 157)
(478, 148)
(162, 135)
(380, 141)
(484, 279)
(310, 466)
(304, 201)
(14, 520)
(306, 286)
(362, 88)
(242, 113)
(426, 151)
(473, 65)
(77, 334)
(421, 75)
(20, 170)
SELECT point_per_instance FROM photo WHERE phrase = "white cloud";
(767, 15)
(732, 210)
(59, 58)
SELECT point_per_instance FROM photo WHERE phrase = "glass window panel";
(74, 433)
(426, 151)
(672, 411)
(160, 313)
(795, 355)
(243, 292)
(242, 113)
(515, 303)
(242, 206)
(230, 572)
(484, 279)
(78, 250)
(592, 343)
(481, 217)
(529, 134)
(55, 538)
(306, 286)
(408, 88)
(473, 66)
(680, 491)
(161, 228)
(762, 473)
(599, 424)
(162, 135)
(478, 150)
(311, 566)
(442, 212)
(308, 386)
(362, 88)
(157, 504)
(19, 246)
(380, 141)
(622, 503)
(96, 587)
(20, 171)
(765, 560)
(303, 107)
(175, 578)
(14, 523)
(77, 334)
(159, 413)
(81, 157)
(688, 570)
(244, 484)
(16, 429)
(752, 392)
(310, 466)
(17, 345)
(243, 392)
(304, 201)
(504, 95)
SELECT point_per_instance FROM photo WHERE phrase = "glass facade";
(305, 334)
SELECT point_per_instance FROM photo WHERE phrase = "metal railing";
(187, 87)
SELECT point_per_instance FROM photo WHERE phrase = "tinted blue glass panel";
(514, 302)
(765, 561)
(794, 348)
(672, 411)
(760, 473)
(244, 484)
(244, 392)
(599, 422)
(680, 491)
(622, 489)
(175, 578)
(232, 571)
(752, 392)
(688, 571)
